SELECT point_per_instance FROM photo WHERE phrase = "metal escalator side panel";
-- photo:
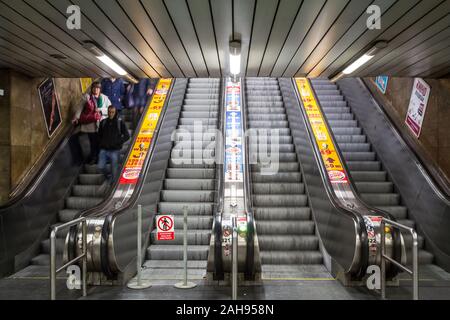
(428, 206)
(340, 231)
(253, 259)
(215, 263)
(120, 245)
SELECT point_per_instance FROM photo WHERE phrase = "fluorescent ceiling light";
(94, 49)
(361, 60)
(235, 58)
(235, 64)
(112, 64)
(357, 64)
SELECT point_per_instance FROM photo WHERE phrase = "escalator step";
(381, 199)
(288, 242)
(375, 187)
(289, 257)
(175, 252)
(286, 214)
(282, 200)
(177, 208)
(279, 188)
(191, 184)
(276, 227)
(188, 195)
(82, 203)
(91, 179)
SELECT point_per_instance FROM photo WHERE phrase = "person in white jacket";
(93, 110)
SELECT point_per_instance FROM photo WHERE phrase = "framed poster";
(50, 106)
(417, 106)
(382, 83)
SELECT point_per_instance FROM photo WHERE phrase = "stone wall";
(28, 138)
(434, 139)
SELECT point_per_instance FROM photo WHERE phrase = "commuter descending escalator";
(190, 183)
(372, 181)
(286, 231)
(89, 189)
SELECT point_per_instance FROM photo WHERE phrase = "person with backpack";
(113, 133)
(95, 109)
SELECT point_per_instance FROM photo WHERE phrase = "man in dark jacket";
(112, 134)
(114, 89)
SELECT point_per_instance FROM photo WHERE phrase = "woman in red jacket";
(95, 108)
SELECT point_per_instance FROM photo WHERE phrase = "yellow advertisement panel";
(85, 84)
(336, 172)
(135, 161)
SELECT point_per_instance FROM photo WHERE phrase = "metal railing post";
(83, 257)
(383, 261)
(139, 283)
(415, 269)
(234, 261)
(185, 284)
(53, 265)
(84, 235)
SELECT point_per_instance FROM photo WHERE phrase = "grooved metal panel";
(190, 38)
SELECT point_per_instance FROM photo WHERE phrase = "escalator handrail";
(437, 181)
(102, 207)
(37, 172)
(391, 271)
(218, 261)
(111, 216)
(337, 204)
(248, 194)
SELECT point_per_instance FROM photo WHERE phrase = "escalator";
(88, 190)
(190, 183)
(372, 180)
(289, 246)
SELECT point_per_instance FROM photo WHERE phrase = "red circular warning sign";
(165, 223)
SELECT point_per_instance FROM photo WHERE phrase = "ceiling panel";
(322, 24)
(400, 16)
(147, 43)
(286, 15)
(438, 31)
(181, 18)
(162, 23)
(243, 13)
(190, 38)
(264, 18)
(222, 12)
(200, 11)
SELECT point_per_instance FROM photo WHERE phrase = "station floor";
(324, 289)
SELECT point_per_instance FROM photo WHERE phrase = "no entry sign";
(165, 227)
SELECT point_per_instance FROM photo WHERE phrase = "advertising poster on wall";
(85, 84)
(50, 106)
(382, 83)
(417, 106)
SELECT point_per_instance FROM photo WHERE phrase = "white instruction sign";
(417, 106)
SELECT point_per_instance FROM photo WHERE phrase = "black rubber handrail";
(440, 181)
(348, 210)
(107, 227)
(248, 192)
(218, 261)
(39, 169)
(100, 208)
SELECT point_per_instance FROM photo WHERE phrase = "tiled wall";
(5, 141)
(27, 137)
(435, 136)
